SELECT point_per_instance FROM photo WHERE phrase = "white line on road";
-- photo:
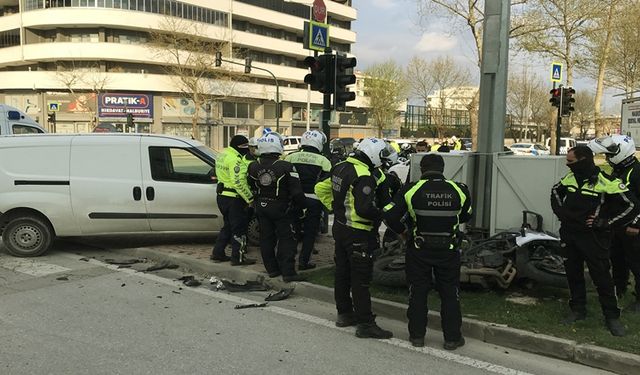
(448, 356)
(30, 266)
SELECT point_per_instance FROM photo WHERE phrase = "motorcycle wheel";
(389, 271)
(253, 232)
(538, 271)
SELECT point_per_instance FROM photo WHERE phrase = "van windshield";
(208, 152)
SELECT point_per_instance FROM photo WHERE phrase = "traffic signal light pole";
(326, 103)
(559, 121)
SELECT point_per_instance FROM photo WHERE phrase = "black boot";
(294, 277)
(244, 262)
(372, 331)
(453, 345)
(346, 320)
(615, 327)
(418, 342)
(574, 317)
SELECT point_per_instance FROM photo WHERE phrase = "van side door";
(179, 192)
(106, 184)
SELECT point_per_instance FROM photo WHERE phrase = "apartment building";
(90, 63)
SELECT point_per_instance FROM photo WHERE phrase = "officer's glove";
(597, 222)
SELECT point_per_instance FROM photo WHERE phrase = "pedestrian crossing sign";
(556, 72)
(54, 106)
(318, 36)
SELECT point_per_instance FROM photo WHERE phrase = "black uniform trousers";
(276, 229)
(236, 220)
(592, 248)
(354, 269)
(311, 226)
(422, 266)
(625, 257)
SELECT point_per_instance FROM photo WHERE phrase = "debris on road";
(189, 280)
(122, 262)
(62, 278)
(249, 286)
(160, 266)
(281, 295)
(216, 282)
(250, 305)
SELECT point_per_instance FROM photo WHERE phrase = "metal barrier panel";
(524, 183)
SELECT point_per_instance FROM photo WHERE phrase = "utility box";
(524, 183)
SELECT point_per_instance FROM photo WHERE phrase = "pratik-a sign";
(117, 105)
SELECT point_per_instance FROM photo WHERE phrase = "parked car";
(565, 145)
(107, 128)
(14, 121)
(102, 184)
(291, 144)
(529, 149)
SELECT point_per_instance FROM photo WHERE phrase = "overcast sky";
(390, 29)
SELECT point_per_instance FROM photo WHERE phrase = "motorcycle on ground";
(521, 254)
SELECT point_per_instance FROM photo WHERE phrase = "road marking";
(442, 354)
(30, 266)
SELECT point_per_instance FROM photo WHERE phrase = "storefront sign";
(111, 105)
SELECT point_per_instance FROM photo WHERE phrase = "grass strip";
(539, 310)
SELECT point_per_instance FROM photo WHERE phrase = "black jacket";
(271, 178)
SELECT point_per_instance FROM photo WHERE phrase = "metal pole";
(493, 89)
(277, 89)
(559, 122)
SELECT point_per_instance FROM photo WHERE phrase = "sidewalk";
(195, 257)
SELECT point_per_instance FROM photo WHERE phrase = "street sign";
(556, 72)
(53, 106)
(318, 36)
(319, 11)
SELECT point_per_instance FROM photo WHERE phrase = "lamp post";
(310, 5)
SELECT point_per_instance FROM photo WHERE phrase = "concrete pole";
(493, 99)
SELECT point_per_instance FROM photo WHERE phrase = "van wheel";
(28, 236)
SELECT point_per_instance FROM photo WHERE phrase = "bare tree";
(559, 29)
(598, 52)
(82, 79)
(386, 89)
(624, 62)
(189, 57)
(442, 77)
(522, 87)
(584, 113)
(470, 13)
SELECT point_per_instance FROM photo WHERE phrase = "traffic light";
(321, 76)
(567, 101)
(129, 119)
(556, 94)
(247, 65)
(344, 77)
(218, 59)
(52, 118)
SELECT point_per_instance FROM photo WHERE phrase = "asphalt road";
(67, 313)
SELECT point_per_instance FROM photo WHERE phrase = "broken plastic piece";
(123, 262)
(160, 266)
(281, 295)
(249, 286)
(189, 280)
(238, 307)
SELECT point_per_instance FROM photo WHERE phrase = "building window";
(238, 110)
(10, 38)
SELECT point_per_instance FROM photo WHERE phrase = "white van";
(102, 184)
(566, 144)
(14, 121)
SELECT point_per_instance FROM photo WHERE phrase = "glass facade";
(166, 7)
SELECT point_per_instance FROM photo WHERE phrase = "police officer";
(435, 206)
(351, 192)
(278, 194)
(625, 249)
(253, 150)
(234, 197)
(589, 203)
(312, 167)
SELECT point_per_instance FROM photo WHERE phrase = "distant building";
(44, 42)
(457, 98)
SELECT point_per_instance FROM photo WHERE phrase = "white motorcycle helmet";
(375, 149)
(270, 143)
(392, 158)
(314, 138)
(618, 149)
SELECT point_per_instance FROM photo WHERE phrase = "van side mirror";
(14, 115)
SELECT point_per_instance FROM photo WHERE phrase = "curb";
(567, 350)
